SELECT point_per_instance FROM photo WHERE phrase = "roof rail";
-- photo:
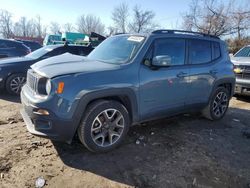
(169, 31)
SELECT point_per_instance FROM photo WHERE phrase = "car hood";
(11, 60)
(241, 60)
(69, 64)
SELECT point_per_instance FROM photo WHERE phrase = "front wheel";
(104, 125)
(15, 83)
(217, 105)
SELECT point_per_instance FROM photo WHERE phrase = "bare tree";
(111, 31)
(5, 23)
(209, 16)
(68, 27)
(142, 20)
(55, 27)
(38, 26)
(90, 23)
(23, 26)
(241, 20)
(120, 17)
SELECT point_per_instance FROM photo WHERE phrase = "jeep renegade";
(126, 80)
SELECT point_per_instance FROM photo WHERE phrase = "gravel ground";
(183, 151)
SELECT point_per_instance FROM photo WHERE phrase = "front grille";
(32, 79)
(245, 72)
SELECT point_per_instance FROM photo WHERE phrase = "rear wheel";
(218, 104)
(15, 83)
(104, 125)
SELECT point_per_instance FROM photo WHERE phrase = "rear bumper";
(242, 87)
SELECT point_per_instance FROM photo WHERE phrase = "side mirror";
(161, 61)
(231, 55)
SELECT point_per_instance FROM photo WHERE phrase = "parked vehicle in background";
(52, 39)
(73, 37)
(127, 79)
(13, 70)
(33, 45)
(12, 48)
(241, 61)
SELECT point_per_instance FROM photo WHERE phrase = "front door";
(163, 88)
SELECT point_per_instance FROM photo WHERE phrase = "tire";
(218, 104)
(104, 125)
(15, 83)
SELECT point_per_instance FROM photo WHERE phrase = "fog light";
(41, 112)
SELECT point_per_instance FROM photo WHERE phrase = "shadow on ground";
(243, 98)
(183, 151)
(10, 98)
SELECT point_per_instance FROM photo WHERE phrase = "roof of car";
(185, 33)
(61, 45)
(11, 40)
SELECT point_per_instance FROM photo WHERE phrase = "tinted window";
(73, 50)
(199, 51)
(41, 52)
(2, 44)
(56, 51)
(216, 48)
(172, 49)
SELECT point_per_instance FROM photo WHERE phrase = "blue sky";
(63, 11)
(168, 12)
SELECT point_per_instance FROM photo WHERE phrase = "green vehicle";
(75, 38)
(52, 39)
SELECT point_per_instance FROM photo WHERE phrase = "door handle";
(181, 74)
(213, 71)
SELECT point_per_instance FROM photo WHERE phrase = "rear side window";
(216, 50)
(2, 44)
(172, 49)
(199, 51)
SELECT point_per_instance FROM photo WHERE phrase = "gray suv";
(126, 80)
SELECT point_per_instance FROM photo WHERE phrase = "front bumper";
(242, 87)
(49, 126)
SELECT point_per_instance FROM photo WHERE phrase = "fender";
(83, 100)
(221, 82)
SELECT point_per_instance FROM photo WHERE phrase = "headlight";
(44, 86)
(48, 87)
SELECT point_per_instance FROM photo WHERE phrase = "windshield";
(117, 49)
(244, 52)
(40, 52)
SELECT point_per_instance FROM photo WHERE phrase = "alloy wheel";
(220, 104)
(17, 83)
(107, 127)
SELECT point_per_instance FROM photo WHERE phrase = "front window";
(40, 52)
(244, 52)
(117, 49)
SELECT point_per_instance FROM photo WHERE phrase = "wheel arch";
(125, 96)
(228, 83)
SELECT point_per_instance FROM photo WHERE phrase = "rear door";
(203, 55)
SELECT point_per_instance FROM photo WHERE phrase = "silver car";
(241, 61)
